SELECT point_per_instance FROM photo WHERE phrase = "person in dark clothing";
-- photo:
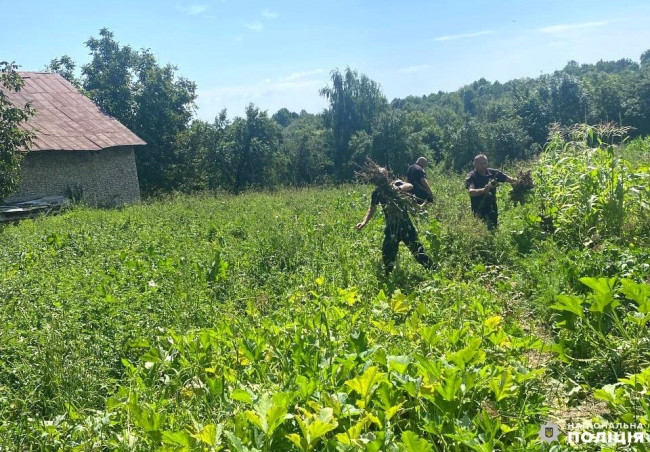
(415, 175)
(481, 183)
(399, 226)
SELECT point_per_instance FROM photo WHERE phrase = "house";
(79, 150)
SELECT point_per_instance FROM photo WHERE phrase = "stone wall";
(106, 178)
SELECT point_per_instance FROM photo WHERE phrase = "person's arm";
(503, 177)
(479, 191)
(425, 185)
(369, 214)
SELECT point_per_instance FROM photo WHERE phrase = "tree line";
(506, 121)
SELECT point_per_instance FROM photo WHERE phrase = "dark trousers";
(403, 233)
(490, 216)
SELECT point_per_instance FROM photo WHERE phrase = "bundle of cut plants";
(522, 188)
(398, 203)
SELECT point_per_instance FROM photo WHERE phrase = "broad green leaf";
(348, 438)
(471, 352)
(236, 443)
(299, 441)
(210, 435)
(430, 334)
(151, 356)
(148, 420)
(638, 381)
(259, 422)
(398, 304)
(181, 438)
(241, 396)
(493, 321)
(503, 386)
(411, 442)
(326, 414)
(358, 340)
(399, 364)
(392, 411)
(269, 413)
(319, 428)
(451, 384)
(275, 417)
(138, 343)
(603, 300)
(607, 393)
(307, 386)
(602, 285)
(639, 293)
(567, 303)
(363, 385)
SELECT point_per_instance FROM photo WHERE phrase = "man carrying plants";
(481, 183)
(396, 204)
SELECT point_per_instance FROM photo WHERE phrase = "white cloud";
(462, 36)
(255, 26)
(296, 91)
(270, 14)
(299, 75)
(193, 10)
(412, 69)
(568, 27)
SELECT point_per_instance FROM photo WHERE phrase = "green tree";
(638, 104)
(645, 59)
(391, 145)
(355, 101)
(164, 108)
(13, 138)
(147, 98)
(567, 98)
(284, 117)
(462, 144)
(252, 151)
(505, 139)
(65, 67)
(535, 113)
(202, 158)
(308, 160)
(109, 78)
(307, 145)
(426, 130)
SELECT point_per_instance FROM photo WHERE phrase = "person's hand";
(360, 226)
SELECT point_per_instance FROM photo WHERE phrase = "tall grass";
(265, 322)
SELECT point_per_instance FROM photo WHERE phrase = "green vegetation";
(263, 321)
(13, 139)
(508, 121)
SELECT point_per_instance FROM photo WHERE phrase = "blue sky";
(278, 53)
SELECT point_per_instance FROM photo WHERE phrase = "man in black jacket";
(482, 187)
(415, 175)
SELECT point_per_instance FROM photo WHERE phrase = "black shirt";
(414, 175)
(488, 201)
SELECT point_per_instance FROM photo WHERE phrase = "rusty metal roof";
(65, 119)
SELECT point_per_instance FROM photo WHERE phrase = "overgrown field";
(263, 322)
